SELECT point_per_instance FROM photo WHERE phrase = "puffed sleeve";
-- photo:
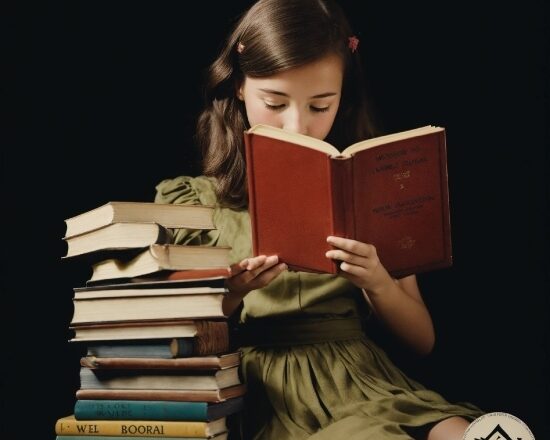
(189, 191)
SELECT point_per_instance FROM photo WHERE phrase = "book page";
(294, 138)
(373, 142)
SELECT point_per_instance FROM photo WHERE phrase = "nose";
(295, 121)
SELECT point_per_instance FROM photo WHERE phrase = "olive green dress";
(310, 370)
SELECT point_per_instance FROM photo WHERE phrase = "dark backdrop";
(110, 92)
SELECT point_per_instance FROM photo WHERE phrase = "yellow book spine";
(138, 428)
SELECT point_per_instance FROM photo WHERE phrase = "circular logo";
(498, 426)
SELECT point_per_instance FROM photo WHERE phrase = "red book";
(390, 191)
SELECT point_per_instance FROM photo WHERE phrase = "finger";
(340, 255)
(353, 246)
(239, 267)
(268, 275)
(253, 271)
(255, 262)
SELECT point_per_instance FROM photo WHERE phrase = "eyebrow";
(276, 92)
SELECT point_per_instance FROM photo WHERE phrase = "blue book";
(158, 348)
(155, 410)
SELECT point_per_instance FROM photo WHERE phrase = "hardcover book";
(221, 436)
(151, 379)
(154, 307)
(218, 395)
(157, 257)
(140, 428)
(201, 362)
(390, 191)
(111, 239)
(167, 215)
(118, 331)
(155, 409)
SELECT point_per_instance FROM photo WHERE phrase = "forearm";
(405, 316)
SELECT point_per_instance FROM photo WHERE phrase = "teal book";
(160, 348)
(155, 410)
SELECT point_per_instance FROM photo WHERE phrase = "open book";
(390, 191)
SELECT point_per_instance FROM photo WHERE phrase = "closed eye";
(319, 109)
(274, 107)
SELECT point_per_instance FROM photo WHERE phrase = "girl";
(310, 369)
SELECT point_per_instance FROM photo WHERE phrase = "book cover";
(167, 215)
(390, 191)
(70, 425)
(218, 395)
(155, 410)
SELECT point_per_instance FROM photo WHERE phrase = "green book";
(155, 410)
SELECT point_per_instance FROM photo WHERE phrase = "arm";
(250, 274)
(397, 303)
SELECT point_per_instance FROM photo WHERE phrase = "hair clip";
(353, 42)
(240, 47)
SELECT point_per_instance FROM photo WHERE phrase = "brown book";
(167, 215)
(390, 191)
(157, 257)
(171, 395)
(212, 362)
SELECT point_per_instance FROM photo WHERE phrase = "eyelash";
(281, 106)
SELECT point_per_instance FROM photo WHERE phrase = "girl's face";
(304, 99)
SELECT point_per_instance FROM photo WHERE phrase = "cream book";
(168, 215)
(157, 257)
(117, 237)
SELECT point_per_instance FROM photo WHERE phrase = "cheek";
(321, 128)
(257, 113)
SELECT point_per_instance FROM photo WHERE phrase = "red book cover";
(390, 191)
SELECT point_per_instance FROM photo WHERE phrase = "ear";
(239, 91)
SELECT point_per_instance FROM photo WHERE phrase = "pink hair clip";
(240, 47)
(353, 42)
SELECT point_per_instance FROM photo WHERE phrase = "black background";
(109, 92)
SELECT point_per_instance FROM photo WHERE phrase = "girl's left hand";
(360, 263)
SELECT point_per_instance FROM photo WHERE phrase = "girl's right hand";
(253, 273)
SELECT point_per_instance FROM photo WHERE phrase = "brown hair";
(276, 35)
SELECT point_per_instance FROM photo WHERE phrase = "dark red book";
(390, 191)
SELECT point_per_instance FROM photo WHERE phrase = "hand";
(360, 263)
(253, 273)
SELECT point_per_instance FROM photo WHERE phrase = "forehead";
(320, 76)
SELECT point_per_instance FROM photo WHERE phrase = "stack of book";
(159, 361)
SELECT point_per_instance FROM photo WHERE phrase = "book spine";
(136, 428)
(251, 189)
(212, 338)
(140, 410)
(343, 224)
(445, 199)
